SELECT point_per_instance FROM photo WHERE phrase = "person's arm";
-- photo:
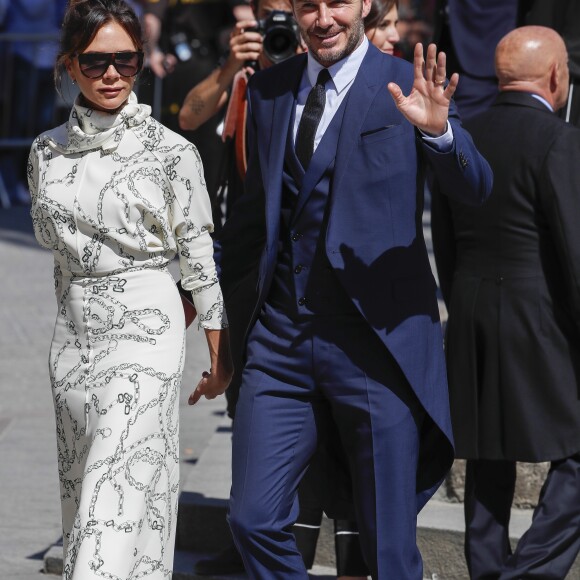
(462, 172)
(159, 62)
(205, 99)
(191, 224)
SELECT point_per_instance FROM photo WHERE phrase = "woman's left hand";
(210, 386)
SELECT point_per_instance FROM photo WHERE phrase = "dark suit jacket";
(374, 237)
(510, 275)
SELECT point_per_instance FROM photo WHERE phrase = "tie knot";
(323, 77)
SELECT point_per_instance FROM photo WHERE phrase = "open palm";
(427, 106)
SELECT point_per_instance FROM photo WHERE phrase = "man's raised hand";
(427, 105)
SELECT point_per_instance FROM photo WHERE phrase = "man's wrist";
(442, 143)
(433, 135)
(231, 67)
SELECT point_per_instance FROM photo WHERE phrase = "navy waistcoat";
(304, 282)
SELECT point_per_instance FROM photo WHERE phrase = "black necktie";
(311, 116)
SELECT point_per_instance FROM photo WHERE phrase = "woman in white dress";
(116, 196)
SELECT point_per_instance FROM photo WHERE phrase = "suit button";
(302, 301)
(499, 280)
(298, 269)
(296, 237)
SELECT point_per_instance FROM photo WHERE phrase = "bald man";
(510, 275)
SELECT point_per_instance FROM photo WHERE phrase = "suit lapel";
(358, 101)
(280, 125)
(365, 87)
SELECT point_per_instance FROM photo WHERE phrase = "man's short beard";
(329, 58)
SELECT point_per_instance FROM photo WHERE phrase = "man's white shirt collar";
(343, 71)
(542, 100)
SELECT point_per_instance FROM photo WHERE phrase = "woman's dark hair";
(379, 9)
(84, 18)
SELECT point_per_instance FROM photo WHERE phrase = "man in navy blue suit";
(342, 324)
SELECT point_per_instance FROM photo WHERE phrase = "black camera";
(281, 35)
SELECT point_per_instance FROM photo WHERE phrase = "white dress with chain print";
(116, 197)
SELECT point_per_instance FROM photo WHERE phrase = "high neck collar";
(89, 129)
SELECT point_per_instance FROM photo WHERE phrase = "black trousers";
(548, 549)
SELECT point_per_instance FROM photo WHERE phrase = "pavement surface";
(29, 500)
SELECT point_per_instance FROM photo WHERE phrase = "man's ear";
(366, 7)
(554, 77)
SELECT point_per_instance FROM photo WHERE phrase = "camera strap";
(235, 121)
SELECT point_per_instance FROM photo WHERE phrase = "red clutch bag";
(188, 307)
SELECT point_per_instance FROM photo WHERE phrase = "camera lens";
(280, 43)
(281, 35)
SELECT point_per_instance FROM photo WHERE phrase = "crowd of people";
(286, 171)
(185, 42)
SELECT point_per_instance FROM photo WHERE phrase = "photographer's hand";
(245, 44)
(159, 62)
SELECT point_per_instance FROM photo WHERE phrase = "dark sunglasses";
(94, 65)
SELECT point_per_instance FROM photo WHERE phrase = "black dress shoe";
(228, 561)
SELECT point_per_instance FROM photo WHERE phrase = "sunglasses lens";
(95, 64)
(127, 63)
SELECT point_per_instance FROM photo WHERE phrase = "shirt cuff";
(443, 143)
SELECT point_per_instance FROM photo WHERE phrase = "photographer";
(246, 46)
(254, 44)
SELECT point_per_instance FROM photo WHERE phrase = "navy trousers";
(548, 549)
(297, 374)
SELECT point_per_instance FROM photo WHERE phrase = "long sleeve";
(192, 226)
